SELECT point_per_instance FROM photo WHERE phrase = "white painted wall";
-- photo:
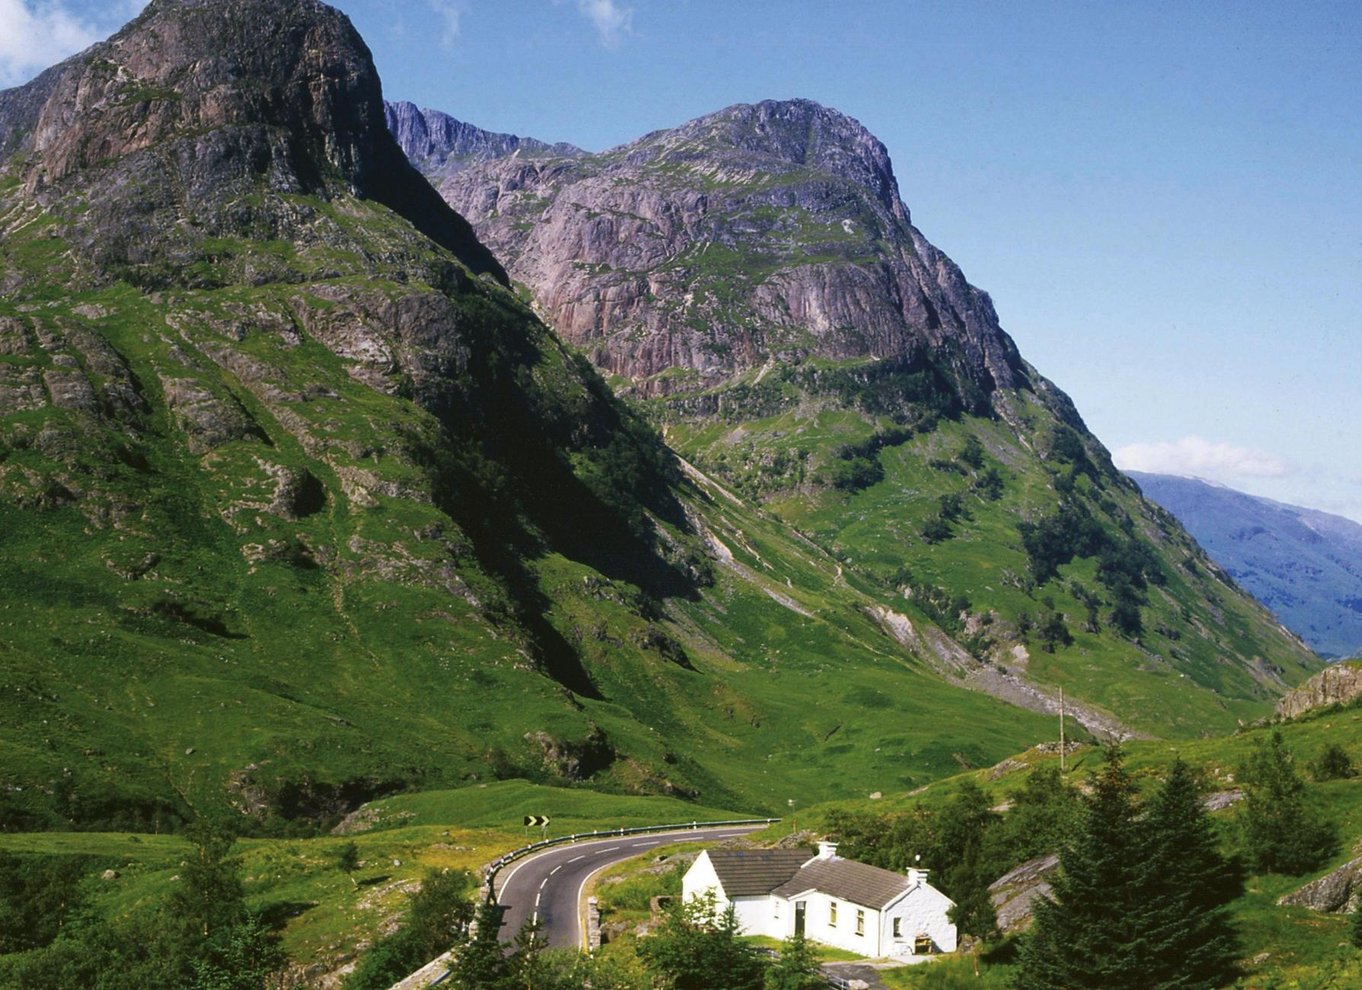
(921, 909)
(700, 878)
(819, 927)
(753, 914)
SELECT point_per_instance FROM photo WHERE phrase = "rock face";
(255, 372)
(1015, 891)
(1336, 685)
(172, 108)
(439, 145)
(771, 231)
(754, 279)
(1304, 565)
(1339, 890)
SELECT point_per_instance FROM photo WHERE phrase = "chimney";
(916, 876)
(827, 850)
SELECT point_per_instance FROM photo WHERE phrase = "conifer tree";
(481, 964)
(1282, 833)
(797, 967)
(1192, 944)
(1093, 933)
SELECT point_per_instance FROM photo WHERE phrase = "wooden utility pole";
(1061, 730)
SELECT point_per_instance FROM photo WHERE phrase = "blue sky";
(1164, 199)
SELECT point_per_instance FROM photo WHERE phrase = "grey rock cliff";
(177, 117)
(1336, 685)
(773, 231)
(440, 145)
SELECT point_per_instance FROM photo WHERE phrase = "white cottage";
(836, 901)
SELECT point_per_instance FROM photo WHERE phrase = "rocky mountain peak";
(784, 133)
(184, 111)
(441, 145)
(769, 232)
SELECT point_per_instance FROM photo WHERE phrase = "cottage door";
(799, 917)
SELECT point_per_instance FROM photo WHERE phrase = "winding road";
(550, 885)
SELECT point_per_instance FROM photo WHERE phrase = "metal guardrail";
(493, 868)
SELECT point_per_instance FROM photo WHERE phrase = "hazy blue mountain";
(1305, 565)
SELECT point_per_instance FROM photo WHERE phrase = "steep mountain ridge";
(772, 231)
(299, 504)
(441, 145)
(1304, 565)
(753, 279)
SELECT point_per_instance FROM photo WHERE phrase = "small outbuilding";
(835, 901)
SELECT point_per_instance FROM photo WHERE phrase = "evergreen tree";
(1193, 944)
(1333, 763)
(697, 948)
(797, 967)
(961, 831)
(481, 964)
(1281, 832)
(1093, 933)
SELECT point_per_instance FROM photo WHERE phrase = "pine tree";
(697, 948)
(481, 964)
(797, 968)
(1282, 833)
(1093, 933)
(960, 841)
(1193, 945)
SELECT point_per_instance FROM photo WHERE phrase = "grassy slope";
(171, 646)
(1198, 632)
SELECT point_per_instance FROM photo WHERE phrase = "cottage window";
(832, 914)
(898, 928)
(860, 922)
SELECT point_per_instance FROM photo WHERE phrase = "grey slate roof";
(848, 880)
(752, 872)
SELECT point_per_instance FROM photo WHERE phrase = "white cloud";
(451, 14)
(1193, 455)
(34, 36)
(611, 21)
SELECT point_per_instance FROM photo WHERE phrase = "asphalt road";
(550, 885)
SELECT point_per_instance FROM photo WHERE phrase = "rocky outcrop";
(257, 377)
(1336, 685)
(1014, 893)
(439, 145)
(186, 109)
(1339, 890)
(770, 231)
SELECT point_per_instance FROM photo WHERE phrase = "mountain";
(300, 503)
(1304, 565)
(753, 281)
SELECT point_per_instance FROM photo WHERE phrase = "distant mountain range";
(1304, 565)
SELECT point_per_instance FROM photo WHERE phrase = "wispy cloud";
(612, 22)
(450, 13)
(34, 36)
(1193, 455)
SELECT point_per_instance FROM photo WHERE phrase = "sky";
(1163, 199)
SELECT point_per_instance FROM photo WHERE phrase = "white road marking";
(555, 869)
(543, 883)
(575, 858)
(608, 849)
